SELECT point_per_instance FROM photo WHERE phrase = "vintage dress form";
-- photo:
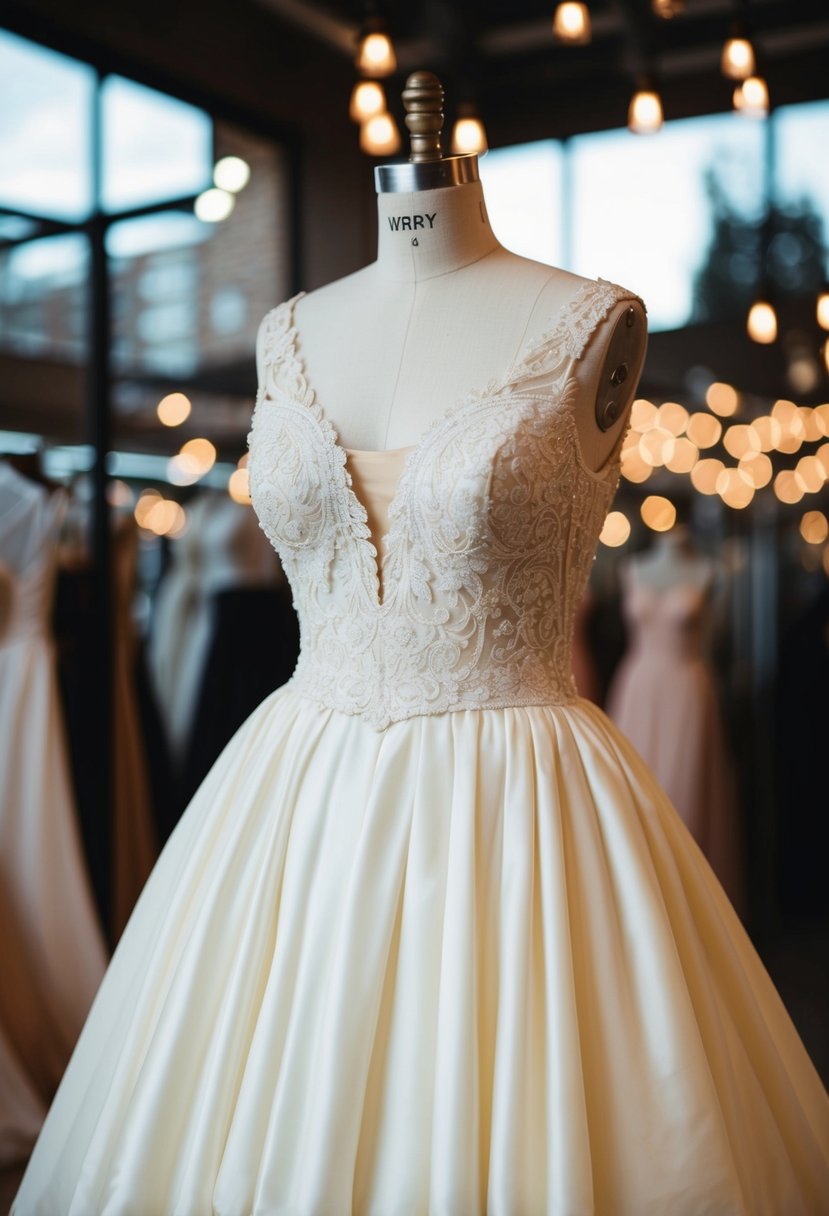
(430, 938)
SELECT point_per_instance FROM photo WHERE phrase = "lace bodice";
(492, 533)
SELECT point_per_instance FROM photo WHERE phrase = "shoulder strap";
(275, 331)
(578, 319)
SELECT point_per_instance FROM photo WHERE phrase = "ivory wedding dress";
(430, 938)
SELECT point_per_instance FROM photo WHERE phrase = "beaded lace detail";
(492, 533)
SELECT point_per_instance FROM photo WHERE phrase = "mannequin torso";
(443, 310)
(672, 561)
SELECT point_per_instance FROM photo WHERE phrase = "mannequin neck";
(432, 232)
(676, 543)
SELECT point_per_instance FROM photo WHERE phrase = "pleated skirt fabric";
(474, 963)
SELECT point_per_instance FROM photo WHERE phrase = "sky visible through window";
(638, 213)
(154, 147)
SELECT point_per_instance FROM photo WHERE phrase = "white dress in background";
(430, 938)
(53, 950)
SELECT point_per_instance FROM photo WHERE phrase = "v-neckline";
(496, 385)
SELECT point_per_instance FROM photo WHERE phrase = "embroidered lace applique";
(492, 533)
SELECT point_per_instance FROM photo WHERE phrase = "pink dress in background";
(664, 699)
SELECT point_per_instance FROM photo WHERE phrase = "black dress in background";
(253, 650)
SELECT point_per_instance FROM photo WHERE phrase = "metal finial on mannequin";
(427, 168)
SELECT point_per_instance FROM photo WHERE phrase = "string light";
(231, 173)
(787, 487)
(814, 527)
(201, 452)
(173, 409)
(703, 430)
(571, 23)
(809, 472)
(673, 417)
(214, 205)
(656, 446)
(722, 399)
(658, 513)
(739, 440)
(643, 413)
(238, 486)
(733, 489)
(616, 530)
(704, 475)
(756, 468)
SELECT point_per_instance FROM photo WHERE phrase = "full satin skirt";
(473, 963)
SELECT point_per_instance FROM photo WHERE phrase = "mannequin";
(444, 308)
(672, 560)
(664, 697)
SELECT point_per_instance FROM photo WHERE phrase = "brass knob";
(423, 102)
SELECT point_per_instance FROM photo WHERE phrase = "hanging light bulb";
(667, 8)
(468, 134)
(761, 323)
(367, 99)
(822, 308)
(737, 55)
(375, 53)
(571, 23)
(751, 97)
(379, 136)
(645, 110)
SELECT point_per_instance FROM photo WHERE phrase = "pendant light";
(375, 53)
(751, 97)
(367, 99)
(738, 61)
(468, 133)
(379, 136)
(645, 109)
(761, 323)
(571, 23)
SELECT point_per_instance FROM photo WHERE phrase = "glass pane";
(44, 312)
(643, 207)
(155, 147)
(801, 171)
(523, 188)
(187, 299)
(45, 131)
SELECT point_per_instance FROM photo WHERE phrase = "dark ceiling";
(504, 56)
(269, 57)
